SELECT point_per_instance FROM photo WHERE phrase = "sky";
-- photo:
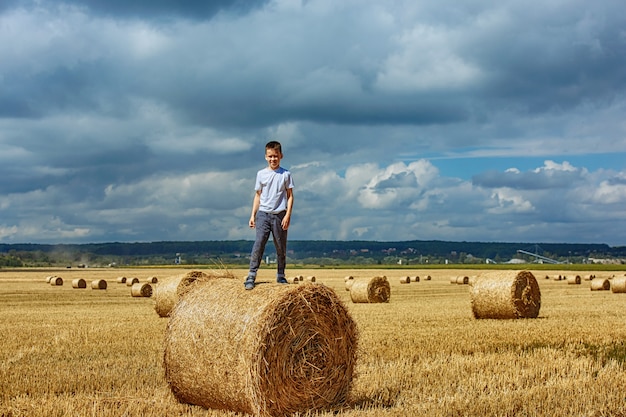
(489, 121)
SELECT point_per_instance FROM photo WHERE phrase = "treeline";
(300, 251)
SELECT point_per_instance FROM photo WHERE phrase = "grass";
(69, 352)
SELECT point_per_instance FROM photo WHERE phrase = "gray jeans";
(264, 224)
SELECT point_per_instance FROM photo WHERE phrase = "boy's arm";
(256, 202)
(287, 218)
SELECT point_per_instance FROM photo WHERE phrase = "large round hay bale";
(573, 280)
(375, 290)
(131, 281)
(274, 351)
(462, 280)
(54, 281)
(600, 284)
(169, 289)
(505, 295)
(98, 284)
(141, 289)
(121, 280)
(79, 283)
(618, 285)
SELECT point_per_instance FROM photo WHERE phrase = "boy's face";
(273, 157)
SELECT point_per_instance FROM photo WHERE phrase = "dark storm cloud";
(192, 9)
(124, 120)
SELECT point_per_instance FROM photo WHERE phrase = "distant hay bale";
(301, 278)
(462, 280)
(131, 281)
(453, 280)
(405, 280)
(48, 278)
(505, 295)
(428, 278)
(310, 279)
(141, 289)
(275, 351)
(348, 277)
(618, 285)
(98, 284)
(416, 278)
(79, 283)
(121, 280)
(152, 280)
(589, 277)
(294, 280)
(348, 284)
(573, 280)
(600, 284)
(56, 281)
(375, 290)
(169, 289)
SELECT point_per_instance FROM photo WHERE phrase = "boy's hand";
(285, 223)
(251, 222)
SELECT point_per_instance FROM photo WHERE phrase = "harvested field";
(422, 353)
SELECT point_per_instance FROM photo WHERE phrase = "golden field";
(85, 352)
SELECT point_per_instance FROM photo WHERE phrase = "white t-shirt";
(273, 186)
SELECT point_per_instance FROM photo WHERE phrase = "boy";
(271, 212)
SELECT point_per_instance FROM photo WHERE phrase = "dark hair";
(274, 145)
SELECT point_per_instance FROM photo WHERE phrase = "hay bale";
(557, 277)
(98, 284)
(405, 280)
(294, 280)
(428, 278)
(453, 280)
(141, 289)
(152, 280)
(618, 285)
(462, 280)
(274, 351)
(505, 295)
(131, 281)
(589, 277)
(600, 284)
(169, 289)
(573, 280)
(310, 279)
(348, 277)
(348, 284)
(48, 278)
(375, 290)
(79, 283)
(56, 281)
(416, 278)
(121, 280)
(301, 278)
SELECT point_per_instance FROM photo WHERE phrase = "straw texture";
(375, 290)
(273, 351)
(169, 289)
(79, 283)
(618, 285)
(141, 289)
(505, 295)
(600, 284)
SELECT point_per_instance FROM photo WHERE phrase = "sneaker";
(249, 283)
(282, 280)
